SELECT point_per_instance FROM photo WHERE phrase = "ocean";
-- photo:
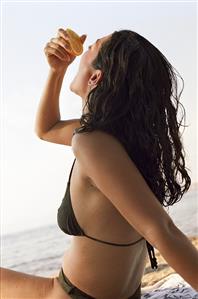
(40, 251)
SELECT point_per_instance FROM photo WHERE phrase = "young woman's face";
(79, 85)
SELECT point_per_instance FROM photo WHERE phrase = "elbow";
(38, 134)
(155, 235)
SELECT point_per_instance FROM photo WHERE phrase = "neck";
(83, 104)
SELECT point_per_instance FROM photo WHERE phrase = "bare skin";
(117, 271)
(101, 270)
(18, 285)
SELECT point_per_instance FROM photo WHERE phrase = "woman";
(128, 152)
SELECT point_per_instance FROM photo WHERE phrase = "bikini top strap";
(71, 170)
(152, 256)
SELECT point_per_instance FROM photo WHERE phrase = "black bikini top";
(68, 224)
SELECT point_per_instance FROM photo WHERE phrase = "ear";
(95, 78)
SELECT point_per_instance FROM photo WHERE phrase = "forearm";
(48, 112)
(180, 254)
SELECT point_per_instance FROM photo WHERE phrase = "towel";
(171, 287)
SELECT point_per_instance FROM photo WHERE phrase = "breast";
(95, 213)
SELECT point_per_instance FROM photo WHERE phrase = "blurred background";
(34, 173)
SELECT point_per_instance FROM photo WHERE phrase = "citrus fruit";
(75, 42)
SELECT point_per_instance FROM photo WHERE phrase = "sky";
(34, 172)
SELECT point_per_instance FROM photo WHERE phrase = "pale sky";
(35, 172)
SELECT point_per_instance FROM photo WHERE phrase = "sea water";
(40, 251)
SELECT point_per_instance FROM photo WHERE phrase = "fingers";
(57, 50)
(83, 38)
(60, 45)
(62, 33)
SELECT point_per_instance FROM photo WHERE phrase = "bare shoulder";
(95, 140)
(87, 147)
(102, 151)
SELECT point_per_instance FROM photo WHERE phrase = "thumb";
(83, 38)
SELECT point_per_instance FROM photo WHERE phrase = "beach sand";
(151, 276)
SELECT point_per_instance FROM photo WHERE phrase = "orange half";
(75, 42)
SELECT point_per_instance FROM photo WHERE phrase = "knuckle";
(64, 42)
(58, 47)
(55, 51)
(63, 46)
(63, 34)
(54, 45)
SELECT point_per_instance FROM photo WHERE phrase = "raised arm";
(108, 165)
(48, 113)
(48, 125)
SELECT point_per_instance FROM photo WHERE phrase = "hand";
(58, 53)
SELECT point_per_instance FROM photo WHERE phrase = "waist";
(92, 266)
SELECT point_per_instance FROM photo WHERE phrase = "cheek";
(85, 69)
(81, 79)
(87, 59)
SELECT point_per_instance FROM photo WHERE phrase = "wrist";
(58, 72)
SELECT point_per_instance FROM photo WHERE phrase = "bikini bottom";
(76, 293)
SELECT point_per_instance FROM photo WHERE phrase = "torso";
(102, 270)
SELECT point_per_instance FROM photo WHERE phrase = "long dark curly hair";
(137, 101)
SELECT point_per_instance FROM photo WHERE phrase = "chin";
(73, 88)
